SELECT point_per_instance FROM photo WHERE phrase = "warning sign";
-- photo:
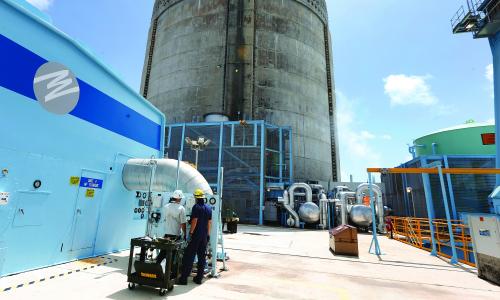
(74, 180)
(89, 193)
(4, 198)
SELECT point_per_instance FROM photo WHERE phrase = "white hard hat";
(178, 194)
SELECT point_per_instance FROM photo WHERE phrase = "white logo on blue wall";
(56, 88)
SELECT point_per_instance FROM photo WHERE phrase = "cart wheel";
(170, 288)
(162, 292)
(131, 286)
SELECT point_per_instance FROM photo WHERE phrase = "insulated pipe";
(323, 213)
(364, 188)
(343, 202)
(136, 176)
(293, 187)
(286, 203)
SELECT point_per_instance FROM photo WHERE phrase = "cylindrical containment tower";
(262, 60)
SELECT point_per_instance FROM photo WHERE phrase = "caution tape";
(94, 261)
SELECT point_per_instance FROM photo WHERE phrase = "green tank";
(467, 139)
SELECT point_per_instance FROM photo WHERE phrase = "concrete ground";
(272, 263)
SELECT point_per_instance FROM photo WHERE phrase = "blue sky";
(399, 71)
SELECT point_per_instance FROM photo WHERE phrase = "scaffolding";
(254, 155)
(481, 17)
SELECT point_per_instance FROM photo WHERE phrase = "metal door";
(87, 210)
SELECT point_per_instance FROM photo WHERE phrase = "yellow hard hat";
(198, 193)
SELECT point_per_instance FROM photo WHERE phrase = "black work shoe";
(197, 280)
(182, 281)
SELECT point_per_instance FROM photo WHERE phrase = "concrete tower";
(248, 59)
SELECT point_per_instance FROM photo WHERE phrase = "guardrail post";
(450, 189)
(454, 259)
(430, 208)
(374, 220)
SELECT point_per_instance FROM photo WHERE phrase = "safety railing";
(417, 232)
(458, 17)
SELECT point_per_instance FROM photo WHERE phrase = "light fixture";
(197, 145)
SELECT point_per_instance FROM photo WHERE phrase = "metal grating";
(470, 191)
(241, 153)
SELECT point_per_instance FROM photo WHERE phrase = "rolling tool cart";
(144, 267)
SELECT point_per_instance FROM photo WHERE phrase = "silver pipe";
(293, 187)
(136, 176)
(323, 207)
(286, 204)
(344, 206)
(152, 165)
(365, 187)
(178, 167)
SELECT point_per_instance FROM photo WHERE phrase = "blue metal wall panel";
(470, 192)
(38, 145)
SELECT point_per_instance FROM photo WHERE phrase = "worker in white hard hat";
(175, 220)
(175, 216)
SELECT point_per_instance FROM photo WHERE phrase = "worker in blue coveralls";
(201, 221)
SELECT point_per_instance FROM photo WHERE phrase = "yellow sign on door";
(90, 193)
(74, 180)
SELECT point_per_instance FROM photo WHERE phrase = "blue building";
(68, 126)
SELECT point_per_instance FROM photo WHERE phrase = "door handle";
(79, 211)
(21, 211)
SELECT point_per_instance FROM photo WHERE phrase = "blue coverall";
(198, 244)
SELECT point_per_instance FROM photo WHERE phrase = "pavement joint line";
(382, 263)
(110, 261)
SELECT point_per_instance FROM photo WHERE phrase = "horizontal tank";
(361, 215)
(261, 60)
(309, 212)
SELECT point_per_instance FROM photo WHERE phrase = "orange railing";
(417, 232)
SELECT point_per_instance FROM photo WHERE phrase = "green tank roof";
(467, 139)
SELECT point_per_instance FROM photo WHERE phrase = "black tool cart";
(144, 267)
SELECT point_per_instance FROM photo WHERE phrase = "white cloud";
(367, 135)
(41, 4)
(356, 150)
(386, 137)
(444, 110)
(409, 89)
(489, 73)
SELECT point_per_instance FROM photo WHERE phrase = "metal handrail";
(458, 16)
(487, 16)
(417, 232)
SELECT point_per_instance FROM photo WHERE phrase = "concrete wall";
(249, 59)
